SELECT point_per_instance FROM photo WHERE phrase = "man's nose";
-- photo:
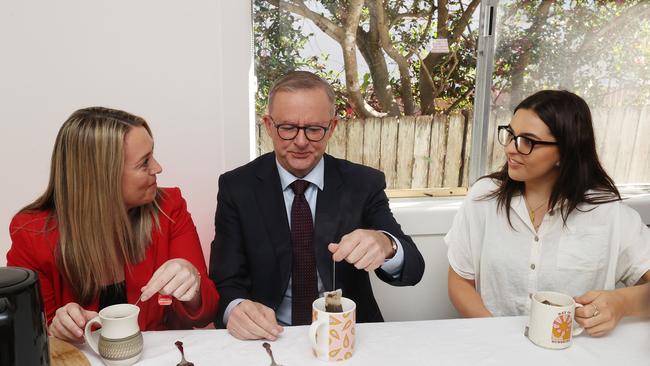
(301, 138)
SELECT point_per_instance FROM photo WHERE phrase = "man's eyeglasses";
(288, 131)
(523, 144)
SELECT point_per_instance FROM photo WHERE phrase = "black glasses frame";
(517, 140)
(297, 129)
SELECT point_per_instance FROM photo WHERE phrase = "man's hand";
(69, 322)
(601, 312)
(365, 249)
(252, 320)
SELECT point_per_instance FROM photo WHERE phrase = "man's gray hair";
(301, 80)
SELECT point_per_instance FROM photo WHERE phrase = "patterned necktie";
(304, 287)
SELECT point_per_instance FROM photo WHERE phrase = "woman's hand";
(601, 312)
(69, 322)
(176, 277)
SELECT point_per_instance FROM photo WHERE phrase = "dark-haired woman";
(550, 219)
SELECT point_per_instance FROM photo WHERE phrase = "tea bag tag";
(164, 300)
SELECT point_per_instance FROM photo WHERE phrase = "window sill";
(421, 212)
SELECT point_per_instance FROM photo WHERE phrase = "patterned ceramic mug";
(332, 334)
(119, 341)
(551, 323)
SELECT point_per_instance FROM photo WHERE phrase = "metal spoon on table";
(183, 362)
(267, 346)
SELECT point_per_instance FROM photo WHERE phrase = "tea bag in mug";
(333, 301)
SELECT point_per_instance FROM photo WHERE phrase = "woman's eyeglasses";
(523, 144)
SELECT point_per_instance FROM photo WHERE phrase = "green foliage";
(278, 42)
(594, 48)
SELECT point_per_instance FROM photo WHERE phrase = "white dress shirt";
(316, 177)
(600, 247)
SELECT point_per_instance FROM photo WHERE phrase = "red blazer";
(33, 247)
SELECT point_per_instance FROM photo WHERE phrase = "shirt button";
(532, 266)
(536, 238)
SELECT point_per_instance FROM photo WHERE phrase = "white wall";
(426, 221)
(183, 66)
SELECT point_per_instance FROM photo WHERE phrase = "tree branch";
(410, 15)
(459, 28)
(425, 32)
(377, 9)
(321, 21)
(443, 18)
(350, 61)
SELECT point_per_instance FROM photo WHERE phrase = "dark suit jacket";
(251, 252)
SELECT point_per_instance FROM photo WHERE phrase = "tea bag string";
(333, 274)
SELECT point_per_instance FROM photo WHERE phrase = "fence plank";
(467, 147)
(599, 117)
(265, 143)
(502, 118)
(438, 145)
(610, 146)
(405, 140)
(454, 147)
(421, 152)
(354, 150)
(337, 143)
(638, 172)
(371, 142)
(626, 136)
(626, 122)
(644, 120)
(491, 137)
(388, 151)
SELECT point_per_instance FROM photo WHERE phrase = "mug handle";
(93, 341)
(577, 329)
(314, 328)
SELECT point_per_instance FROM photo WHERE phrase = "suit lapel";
(270, 200)
(327, 219)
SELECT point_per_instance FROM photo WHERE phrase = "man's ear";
(268, 124)
(333, 124)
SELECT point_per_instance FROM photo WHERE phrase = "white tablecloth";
(486, 341)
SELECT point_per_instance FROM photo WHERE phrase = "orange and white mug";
(332, 334)
(552, 320)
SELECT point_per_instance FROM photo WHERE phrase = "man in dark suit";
(285, 219)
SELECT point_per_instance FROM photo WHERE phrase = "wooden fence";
(433, 151)
(622, 142)
(413, 152)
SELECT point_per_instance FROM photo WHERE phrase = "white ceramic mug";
(552, 325)
(332, 334)
(119, 342)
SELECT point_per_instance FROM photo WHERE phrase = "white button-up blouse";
(600, 247)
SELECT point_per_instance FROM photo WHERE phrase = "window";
(404, 90)
(410, 90)
(599, 50)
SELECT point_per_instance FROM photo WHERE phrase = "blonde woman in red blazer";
(104, 233)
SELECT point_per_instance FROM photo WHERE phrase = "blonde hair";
(98, 236)
(302, 80)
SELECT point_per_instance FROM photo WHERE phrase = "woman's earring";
(557, 164)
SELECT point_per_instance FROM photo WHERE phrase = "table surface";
(484, 341)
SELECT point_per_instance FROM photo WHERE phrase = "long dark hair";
(569, 119)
